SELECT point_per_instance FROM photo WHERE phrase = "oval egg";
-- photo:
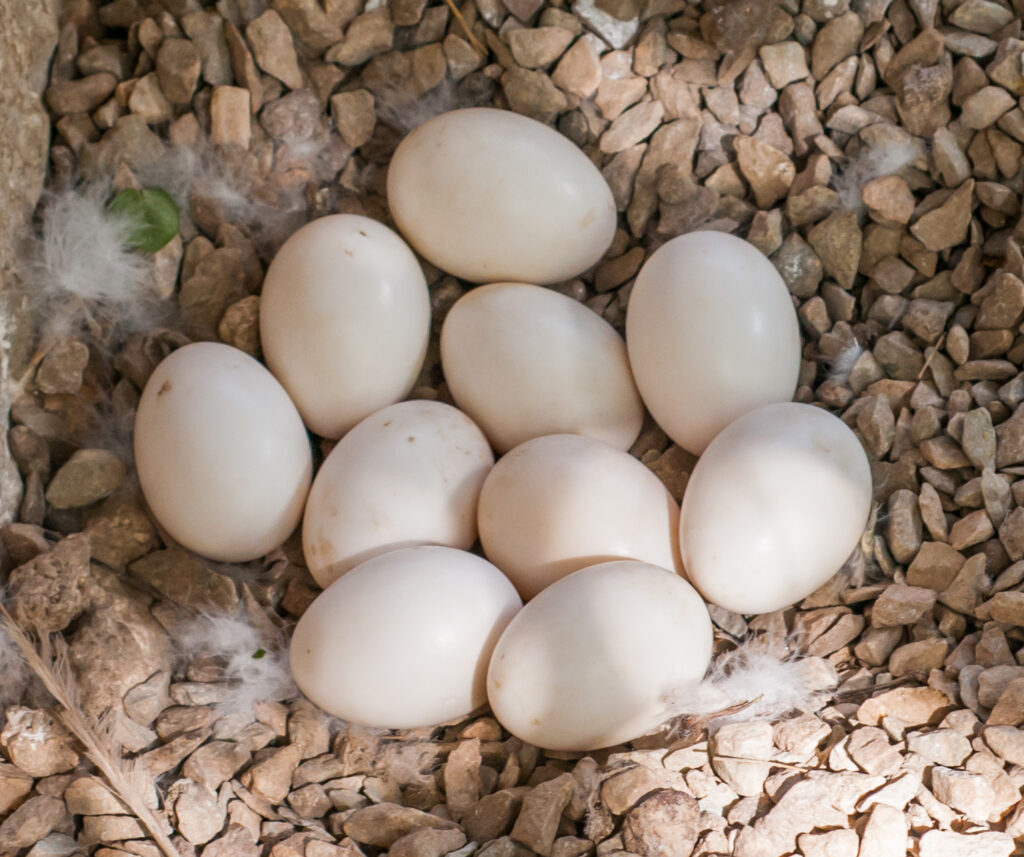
(491, 195)
(559, 503)
(222, 456)
(404, 640)
(408, 474)
(525, 361)
(712, 334)
(597, 658)
(774, 508)
(344, 320)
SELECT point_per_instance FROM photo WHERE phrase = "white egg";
(557, 504)
(223, 458)
(404, 639)
(712, 334)
(409, 474)
(598, 657)
(344, 320)
(490, 195)
(525, 361)
(774, 508)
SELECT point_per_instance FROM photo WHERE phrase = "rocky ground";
(872, 150)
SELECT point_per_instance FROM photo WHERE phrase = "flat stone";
(920, 656)
(538, 47)
(888, 199)
(1005, 607)
(832, 843)
(946, 843)
(383, 824)
(206, 30)
(62, 368)
(972, 529)
(941, 747)
(981, 16)
(935, 566)
(183, 578)
(84, 95)
(784, 63)
(915, 706)
(238, 841)
(983, 108)
(617, 24)
(462, 783)
(216, 762)
(902, 605)
(946, 226)
(92, 796)
(634, 125)
(88, 476)
(428, 842)
(31, 822)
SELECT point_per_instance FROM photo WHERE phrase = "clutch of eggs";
(412, 629)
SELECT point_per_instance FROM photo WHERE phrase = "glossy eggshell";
(525, 361)
(490, 195)
(344, 320)
(597, 657)
(560, 503)
(712, 334)
(404, 640)
(222, 456)
(774, 508)
(409, 474)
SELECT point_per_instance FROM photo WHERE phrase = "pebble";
(89, 475)
(370, 34)
(983, 108)
(537, 823)
(230, 117)
(947, 843)
(538, 47)
(666, 821)
(383, 824)
(946, 225)
(579, 70)
(885, 834)
(784, 63)
(178, 65)
(769, 172)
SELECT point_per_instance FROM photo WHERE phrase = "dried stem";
(473, 40)
(49, 661)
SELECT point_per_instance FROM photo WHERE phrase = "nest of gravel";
(872, 151)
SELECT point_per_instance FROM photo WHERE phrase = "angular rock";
(946, 226)
(273, 49)
(537, 824)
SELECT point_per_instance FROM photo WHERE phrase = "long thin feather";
(49, 661)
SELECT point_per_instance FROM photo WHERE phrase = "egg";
(774, 508)
(222, 456)
(598, 657)
(404, 639)
(408, 474)
(490, 195)
(559, 503)
(344, 320)
(712, 334)
(525, 361)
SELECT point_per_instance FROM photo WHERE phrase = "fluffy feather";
(756, 672)
(844, 361)
(48, 660)
(872, 163)
(234, 640)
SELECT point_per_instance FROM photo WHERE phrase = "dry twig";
(473, 40)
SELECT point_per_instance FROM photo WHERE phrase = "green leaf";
(152, 216)
(259, 653)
